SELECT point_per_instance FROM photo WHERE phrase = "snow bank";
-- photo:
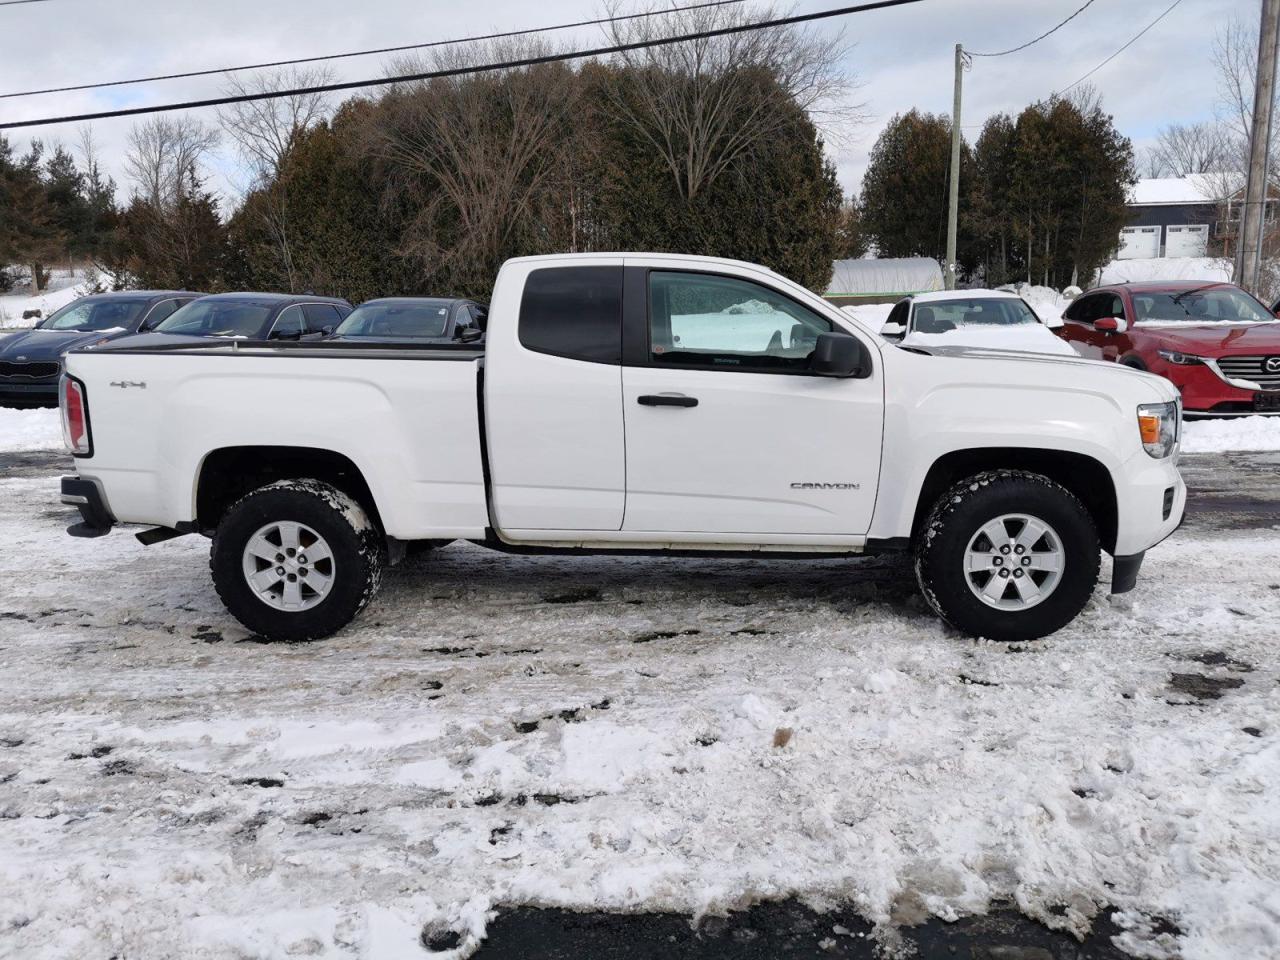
(1047, 302)
(1208, 269)
(63, 288)
(29, 430)
(1220, 436)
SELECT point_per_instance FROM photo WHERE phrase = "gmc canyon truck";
(630, 403)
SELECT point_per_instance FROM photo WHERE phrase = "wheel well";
(1085, 477)
(228, 474)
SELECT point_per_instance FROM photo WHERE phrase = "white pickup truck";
(630, 403)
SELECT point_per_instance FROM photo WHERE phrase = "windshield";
(218, 318)
(405, 318)
(93, 315)
(1216, 305)
(945, 315)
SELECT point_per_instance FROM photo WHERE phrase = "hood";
(51, 344)
(1215, 339)
(1084, 369)
(1024, 338)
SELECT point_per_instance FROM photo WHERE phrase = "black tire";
(356, 545)
(1133, 362)
(958, 516)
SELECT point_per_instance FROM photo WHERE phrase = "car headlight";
(1158, 427)
(1181, 359)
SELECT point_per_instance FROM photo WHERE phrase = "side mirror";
(470, 334)
(285, 335)
(328, 329)
(1054, 323)
(893, 331)
(1110, 325)
(838, 355)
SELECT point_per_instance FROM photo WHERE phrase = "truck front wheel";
(296, 560)
(1008, 555)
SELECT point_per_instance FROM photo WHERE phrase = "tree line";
(1042, 194)
(708, 146)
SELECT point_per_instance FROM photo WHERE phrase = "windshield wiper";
(1186, 293)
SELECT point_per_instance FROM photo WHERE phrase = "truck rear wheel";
(1008, 555)
(296, 560)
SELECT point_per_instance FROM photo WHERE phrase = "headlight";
(1158, 427)
(1181, 359)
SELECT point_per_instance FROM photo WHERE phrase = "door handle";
(666, 400)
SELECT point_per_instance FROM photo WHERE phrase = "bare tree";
(480, 160)
(164, 155)
(695, 102)
(263, 130)
(1182, 149)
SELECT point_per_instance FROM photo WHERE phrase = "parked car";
(252, 316)
(1217, 344)
(421, 320)
(987, 319)
(31, 360)
(617, 406)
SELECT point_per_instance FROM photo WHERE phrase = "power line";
(1002, 53)
(1121, 50)
(363, 53)
(14, 3)
(461, 71)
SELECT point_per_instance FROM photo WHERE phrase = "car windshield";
(218, 318)
(403, 318)
(1214, 305)
(945, 315)
(95, 315)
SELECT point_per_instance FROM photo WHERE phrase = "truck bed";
(158, 410)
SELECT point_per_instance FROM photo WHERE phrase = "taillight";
(75, 418)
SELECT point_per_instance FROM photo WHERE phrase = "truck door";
(727, 429)
(553, 398)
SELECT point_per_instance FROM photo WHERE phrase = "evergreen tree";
(29, 232)
(904, 191)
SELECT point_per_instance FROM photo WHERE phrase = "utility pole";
(953, 198)
(1253, 215)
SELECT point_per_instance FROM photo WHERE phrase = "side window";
(160, 311)
(290, 323)
(1116, 308)
(573, 312)
(319, 316)
(705, 320)
(900, 310)
(1087, 309)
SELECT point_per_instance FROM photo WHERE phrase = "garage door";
(1139, 242)
(1187, 240)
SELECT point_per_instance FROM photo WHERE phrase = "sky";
(901, 57)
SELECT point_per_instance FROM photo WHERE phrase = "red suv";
(1218, 345)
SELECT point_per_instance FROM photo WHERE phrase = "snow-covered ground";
(63, 288)
(1166, 268)
(606, 733)
(38, 429)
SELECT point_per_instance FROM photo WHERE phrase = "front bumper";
(95, 517)
(25, 393)
(1206, 389)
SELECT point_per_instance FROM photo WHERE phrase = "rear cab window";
(573, 312)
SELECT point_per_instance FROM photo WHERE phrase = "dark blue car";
(252, 316)
(31, 360)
